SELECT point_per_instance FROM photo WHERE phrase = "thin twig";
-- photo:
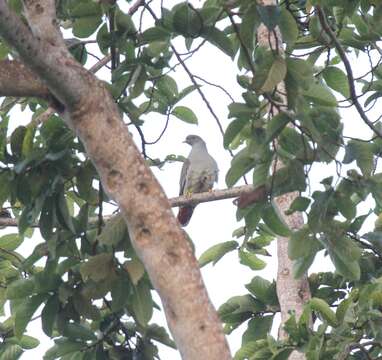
(349, 71)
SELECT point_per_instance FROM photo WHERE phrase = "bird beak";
(184, 142)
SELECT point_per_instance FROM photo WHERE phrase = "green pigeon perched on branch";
(199, 172)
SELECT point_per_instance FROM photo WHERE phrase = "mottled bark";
(19, 81)
(292, 293)
(158, 240)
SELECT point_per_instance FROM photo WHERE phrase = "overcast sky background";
(213, 222)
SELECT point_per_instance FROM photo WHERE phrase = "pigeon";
(199, 172)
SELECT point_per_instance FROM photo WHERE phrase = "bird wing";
(183, 176)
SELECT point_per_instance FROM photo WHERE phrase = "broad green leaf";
(219, 39)
(336, 79)
(27, 145)
(324, 309)
(288, 27)
(362, 153)
(75, 331)
(63, 212)
(135, 269)
(276, 125)
(272, 218)
(248, 26)
(187, 21)
(20, 288)
(49, 313)
(142, 303)
(98, 267)
(64, 347)
(85, 26)
(240, 165)
(159, 333)
(233, 130)
(114, 232)
(17, 139)
(258, 328)
(157, 33)
(302, 265)
(186, 114)
(240, 308)
(260, 288)
(251, 260)
(10, 241)
(300, 203)
(320, 95)
(302, 243)
(28, 342)
(216, 252)
(25, 311)
(270, 70)
(10, 352)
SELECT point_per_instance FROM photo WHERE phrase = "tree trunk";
(292, 293)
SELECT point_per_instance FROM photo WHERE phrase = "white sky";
(213, 222)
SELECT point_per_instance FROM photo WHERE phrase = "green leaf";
(63, 210)
(276, 125)
(187, 21)
(240, 165)
(114, 232)
(272, 218)
(25, 311)
(27, 145)
(28, 342)
(336, 79)
(249, 24)
(159, 333)
(302, 243)
(219, 39)
(85, 26)
(10, 242)
(216, 252)
(75, 331)
(240, 308)
(142, 303)
(270, 15)
(251, 260)
(157, 33)
(270, 70)
(362, 152)
(320, 95)
(325, 311)
(258, 328)
(302, 265)
(49, 313)
(288, 27)
(63, 347)
(300, 203)
(20, 288)
(98, 267)
(11, 352)
(260, 287)
(17, 139)
(186, 114)
(233, 130)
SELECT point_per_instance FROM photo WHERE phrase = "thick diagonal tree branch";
(19, 81)
(156, 236)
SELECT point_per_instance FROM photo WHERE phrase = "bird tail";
(184, 214)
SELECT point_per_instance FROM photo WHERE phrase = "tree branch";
(18, 81)
(155, 234)
(193, 199)
(349, 71)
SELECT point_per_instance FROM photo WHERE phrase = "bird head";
(193, 139)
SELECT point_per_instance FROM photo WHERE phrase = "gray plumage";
(199, 172)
